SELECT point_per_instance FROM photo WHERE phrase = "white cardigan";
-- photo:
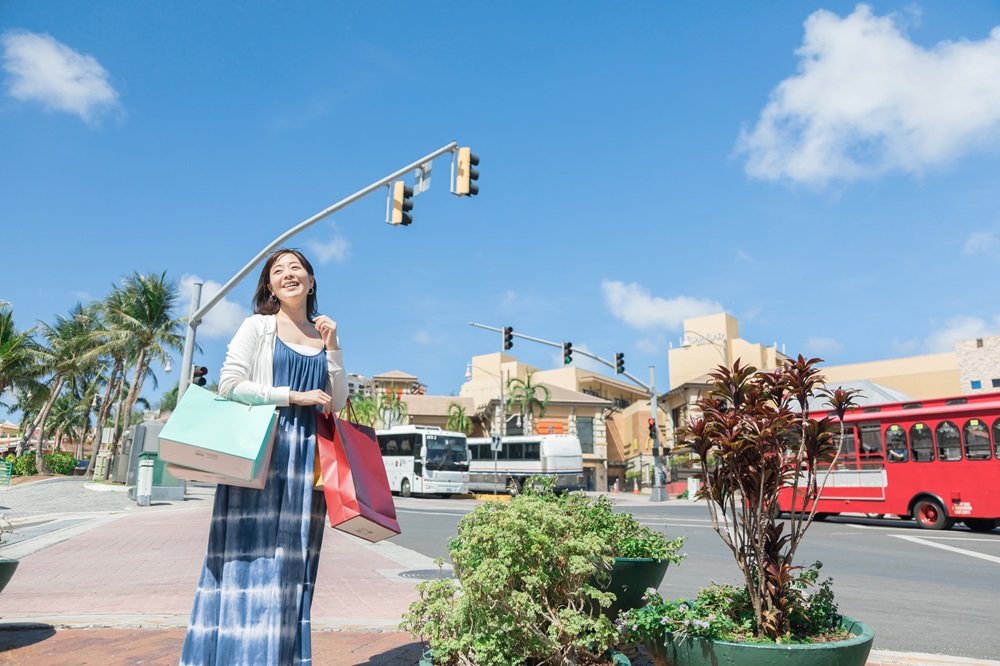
(248, 375)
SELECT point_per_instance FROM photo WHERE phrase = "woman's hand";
(314, 397)
(328, 331)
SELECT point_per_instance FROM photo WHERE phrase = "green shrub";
(60, 463)
(23, 465)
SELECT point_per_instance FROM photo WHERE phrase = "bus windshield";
(447, 453)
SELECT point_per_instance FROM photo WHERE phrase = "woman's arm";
(235, 380)
(337, 383)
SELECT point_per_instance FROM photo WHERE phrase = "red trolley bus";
(937, 461)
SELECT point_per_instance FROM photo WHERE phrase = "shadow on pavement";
(13, 636)
(404, 655)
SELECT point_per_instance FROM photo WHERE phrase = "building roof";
(871, 394)
(562, 396)
(395, 374)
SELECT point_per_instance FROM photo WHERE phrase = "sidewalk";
(101, 582)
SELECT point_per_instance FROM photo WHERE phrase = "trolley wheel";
(930, 515)
(513, 487)
(875, 515)
(404, 488)
(820, 517)
(981, 524)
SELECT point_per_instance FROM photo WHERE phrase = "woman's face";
(289, 278)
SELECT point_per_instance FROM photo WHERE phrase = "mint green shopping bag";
(211, 434)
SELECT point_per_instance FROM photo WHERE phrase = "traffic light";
(198, 375)
(508, 338)
(620, 363)
(567, 353)
(466, 174)
(652, 430)
(402, 204)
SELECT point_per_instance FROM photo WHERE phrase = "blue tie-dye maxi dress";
(253, 601)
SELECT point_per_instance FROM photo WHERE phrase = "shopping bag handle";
(350, 411)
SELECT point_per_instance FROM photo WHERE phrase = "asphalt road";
(922, 591)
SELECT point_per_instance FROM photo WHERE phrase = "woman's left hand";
(328, 331)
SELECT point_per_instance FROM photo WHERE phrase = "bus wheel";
(981, 524)
(931, 516)
(404, 488)
(513, 487)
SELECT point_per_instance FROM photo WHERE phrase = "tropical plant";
(523, 394)
(758, 427)
(392, 408)
(62, 358)
(458, 420)
(139, 318)
(18, 366)
(530, 572)
(363, 408)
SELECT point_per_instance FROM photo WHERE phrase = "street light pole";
(722, 349)
(197, 317)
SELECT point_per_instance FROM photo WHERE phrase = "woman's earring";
(312, 290)
(273, 297)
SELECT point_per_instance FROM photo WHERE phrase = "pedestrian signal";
(198, 375)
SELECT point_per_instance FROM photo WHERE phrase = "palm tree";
(365, 410)
(523, 394)
(63, 359)
(140, 318)
(458, 420)
(18, 366)
(392, 408)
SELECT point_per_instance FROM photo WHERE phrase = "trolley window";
(921, 443)
(949, 443)
(871, 440)
(996, 438)
(847, 447)
(895, 444)
(977, 440)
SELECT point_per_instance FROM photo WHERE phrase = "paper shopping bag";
(358, 499)
(213, 435)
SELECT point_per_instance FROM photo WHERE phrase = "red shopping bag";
(358, 499)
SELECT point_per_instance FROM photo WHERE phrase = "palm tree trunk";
(102, 417)
(117, 425)
(42, 417)
(130, 400)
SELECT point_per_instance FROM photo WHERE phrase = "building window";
(979, 342)
(996, 383)
(585, 432)
(976, 385)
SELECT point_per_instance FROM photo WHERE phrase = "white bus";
(522, 457)
(425, 460)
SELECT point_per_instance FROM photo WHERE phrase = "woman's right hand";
(314, 397)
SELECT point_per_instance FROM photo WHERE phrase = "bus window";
(949, 444)
(871, 440)
(847, 443)
(895, 444)
(977, 440)
(406, 445)
(515, 451)
(392, 447)
(921, 443)
(996, 438)
(532, 451)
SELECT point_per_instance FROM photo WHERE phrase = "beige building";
(979, 364)
(579, 403)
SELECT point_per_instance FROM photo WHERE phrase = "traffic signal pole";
(198, 315)
(658, 492)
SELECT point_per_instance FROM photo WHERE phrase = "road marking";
(970, 553)
(429, 513)
(958, 538)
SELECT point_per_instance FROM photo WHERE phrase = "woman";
(256, 588)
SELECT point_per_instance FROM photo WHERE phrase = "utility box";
(101, 465)
(145, 446)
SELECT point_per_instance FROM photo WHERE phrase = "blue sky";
(825, 172)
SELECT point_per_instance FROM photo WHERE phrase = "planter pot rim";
(639, 559)
(848, 623)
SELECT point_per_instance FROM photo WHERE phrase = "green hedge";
(24, 465)
(60, 463)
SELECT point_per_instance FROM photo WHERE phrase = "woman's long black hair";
(265, 303)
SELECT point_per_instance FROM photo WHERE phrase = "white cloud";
(337, 249)
(633, 304)
(866, 100)
(981, 241)
(425, 338)
(223, 320)
(821, 345)
(960, 328)
(41, 69)
(650, 345)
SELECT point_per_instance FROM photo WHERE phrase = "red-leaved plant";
(757, 427)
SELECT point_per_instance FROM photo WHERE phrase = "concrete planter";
(7, 568)
(694, 651)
